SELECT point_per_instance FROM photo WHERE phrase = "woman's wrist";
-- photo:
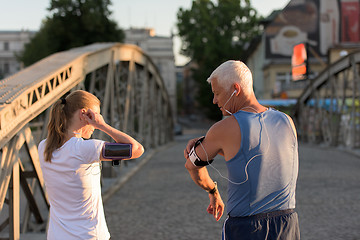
(103, 127)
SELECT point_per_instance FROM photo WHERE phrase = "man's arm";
(207, 150)
(201, 177)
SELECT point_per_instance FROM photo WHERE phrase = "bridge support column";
(14, 203)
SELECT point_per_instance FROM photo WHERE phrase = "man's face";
(220, 96)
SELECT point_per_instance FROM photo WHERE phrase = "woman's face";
(88, 129)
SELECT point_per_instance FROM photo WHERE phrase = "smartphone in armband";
(117, 151)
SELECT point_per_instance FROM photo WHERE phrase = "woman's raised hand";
(94, 119)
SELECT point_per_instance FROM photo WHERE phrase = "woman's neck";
(73, 133)
(74, 130)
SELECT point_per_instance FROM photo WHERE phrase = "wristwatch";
(212, 191)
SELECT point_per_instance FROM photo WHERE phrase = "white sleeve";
(91, 150)
(41, 150)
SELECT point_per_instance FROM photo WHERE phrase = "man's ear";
(237, 89)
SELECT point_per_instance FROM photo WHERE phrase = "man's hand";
(216, 206)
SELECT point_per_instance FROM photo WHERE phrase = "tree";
(72, 23)
(212, 34)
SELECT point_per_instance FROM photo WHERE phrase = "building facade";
(323, 25)
(160, 49)
(11, 44)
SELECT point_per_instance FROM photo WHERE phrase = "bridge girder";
(133, 96)
(328, 111)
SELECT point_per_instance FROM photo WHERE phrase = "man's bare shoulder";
(226, 136)
(223, 127)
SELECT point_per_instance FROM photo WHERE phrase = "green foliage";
(72, 23)
(213, 33)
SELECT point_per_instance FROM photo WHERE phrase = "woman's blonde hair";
(60, 115)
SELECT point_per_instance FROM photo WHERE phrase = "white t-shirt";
(72, 181)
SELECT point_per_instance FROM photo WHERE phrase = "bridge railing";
(133, 97)
(328, 111)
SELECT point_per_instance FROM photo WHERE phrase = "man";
(259, 145)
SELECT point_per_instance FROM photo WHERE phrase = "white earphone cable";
(246, 166)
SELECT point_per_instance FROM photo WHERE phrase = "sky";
(157, 14)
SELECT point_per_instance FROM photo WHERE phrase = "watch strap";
(212, 191)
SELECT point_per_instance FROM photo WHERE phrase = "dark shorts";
(280, 225)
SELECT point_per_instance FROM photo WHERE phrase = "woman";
(71, 167)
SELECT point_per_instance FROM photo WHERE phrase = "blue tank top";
(263, 173)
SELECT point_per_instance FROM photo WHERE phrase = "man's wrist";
(214, 190)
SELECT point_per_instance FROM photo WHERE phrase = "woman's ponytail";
(56, 128)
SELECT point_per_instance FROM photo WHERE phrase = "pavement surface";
(161, 202)
(328, 194)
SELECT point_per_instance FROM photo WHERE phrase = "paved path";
(161, 202)
(328, 194)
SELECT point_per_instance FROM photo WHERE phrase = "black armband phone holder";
(117, 152)
(194, 158)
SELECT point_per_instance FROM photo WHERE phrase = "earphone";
(235, 91)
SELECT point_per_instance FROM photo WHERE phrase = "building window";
(6, 46)
(6, 68)
(159, 66)
(284, 82)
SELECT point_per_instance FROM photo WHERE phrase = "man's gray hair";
(231, 72)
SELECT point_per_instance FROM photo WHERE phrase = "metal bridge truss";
(133, 97)
(328, 111)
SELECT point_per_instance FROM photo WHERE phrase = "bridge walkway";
(156, 198)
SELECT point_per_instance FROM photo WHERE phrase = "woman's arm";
(98, 122)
